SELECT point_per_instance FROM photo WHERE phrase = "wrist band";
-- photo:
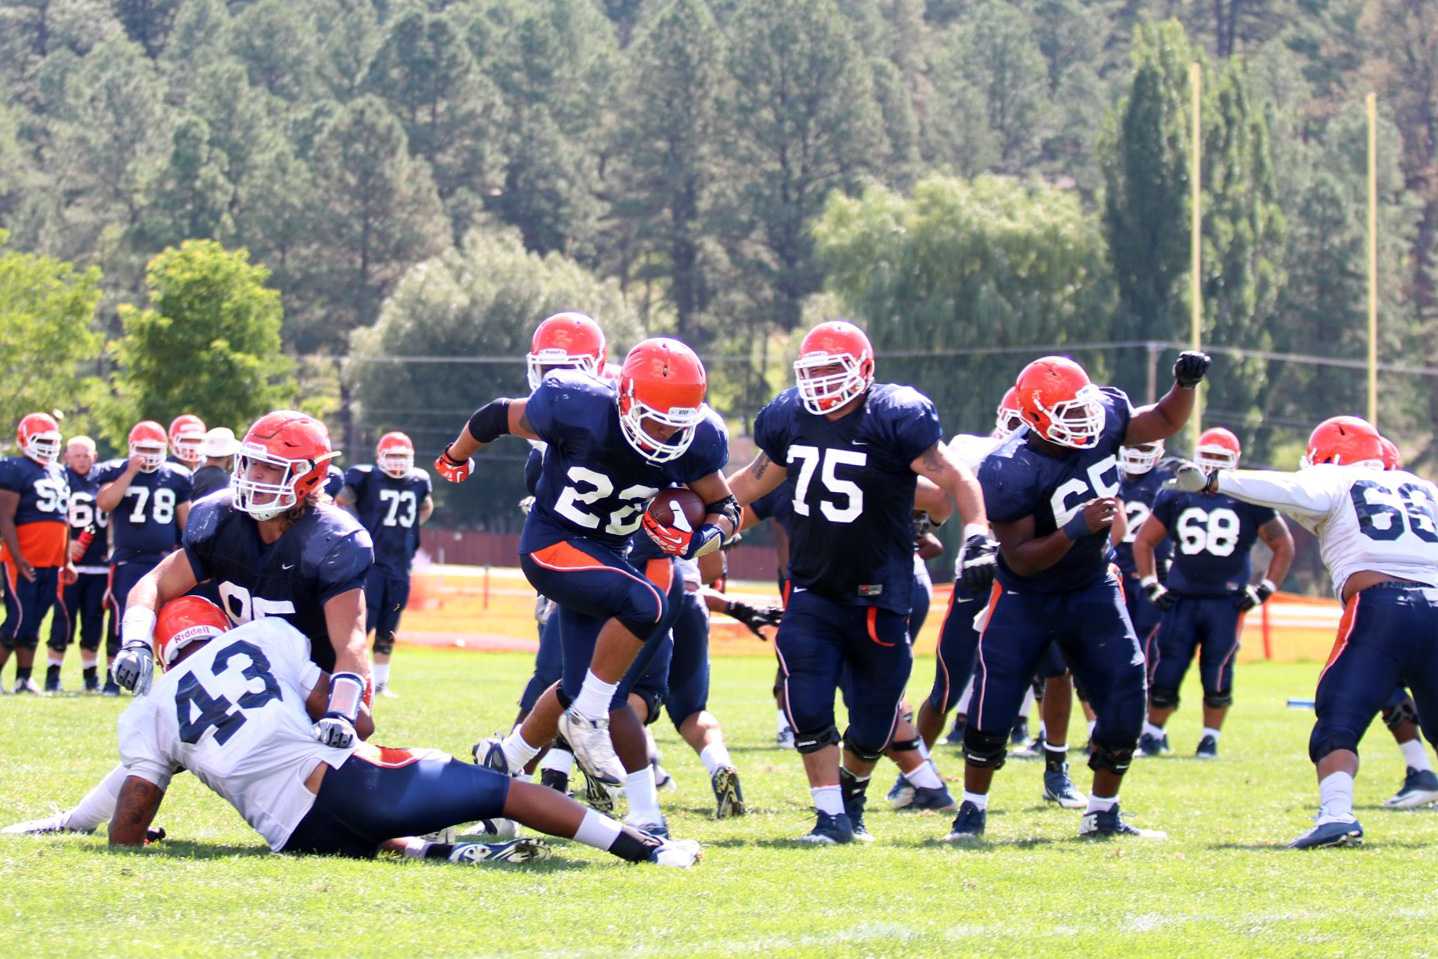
(346, 691)
(1077, 527)
(973, 529)
(138, 625)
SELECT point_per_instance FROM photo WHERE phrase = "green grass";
(1221, 885)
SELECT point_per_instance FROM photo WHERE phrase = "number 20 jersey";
(593, 484)
(1019, 480)
(389, 509)
(1212, 537)
(233, 713)
(1365, 519)
(851, 528)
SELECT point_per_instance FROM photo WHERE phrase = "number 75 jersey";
(593, 484)
(1364, 518)
(389, 509)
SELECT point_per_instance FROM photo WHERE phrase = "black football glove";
(977, 562)
(754, 617)
(1251, 596)
(1189, 368)
(1158, 595)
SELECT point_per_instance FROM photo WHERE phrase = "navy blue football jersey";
(1020, 480)
(777, 504)
(84, 513)
(1138, 493)
(324, 554)
(592, 483)
(1212, 536)
(852, 492)
(145, 526)
(41, 515)
(389, 509)
(334, 481)
(533, 467)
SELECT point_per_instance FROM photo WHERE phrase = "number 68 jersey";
(1365, 518)
(1213, 536)
(233, 713)
(593, 484)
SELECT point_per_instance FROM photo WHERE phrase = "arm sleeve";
(1307, 496)
(142, 744)
(345, 565)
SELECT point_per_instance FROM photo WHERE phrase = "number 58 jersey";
(233, 714)
(1364, 518)
(592, 483)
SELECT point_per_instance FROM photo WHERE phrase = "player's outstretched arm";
(134, 811)
(761, 476)
(488, 423)
(1169, 415)
(1308, 496)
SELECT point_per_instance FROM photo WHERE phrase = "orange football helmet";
(835, 366)
(1392, 459)
(1218, 449)
(1344, 441)
(291, 442)
(1007, 417)
(394, 455)
(38, 436)
(182, 621)
(662, 382)
(1059, 403)
(187, 439)
(565, 341)
(149, 442)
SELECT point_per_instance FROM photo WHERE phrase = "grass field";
(1221, 885)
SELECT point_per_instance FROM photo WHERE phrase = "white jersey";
(233, 714)
(970, 449)
(1364, 518)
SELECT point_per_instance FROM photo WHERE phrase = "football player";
(271, 548)
(148, 501)
(82, 602)
(1207, 591)
(34, 531)
(1051, 495)
(219, 463)
(608, 452)
(187, 441)
(303, 796)
(1377, 531)
(392, 499)
(854, 448)
(1141, 478)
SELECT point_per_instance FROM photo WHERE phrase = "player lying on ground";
(234, 708)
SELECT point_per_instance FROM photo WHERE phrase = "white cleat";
(593, 749)
(53, 823)
(679, 853)
(1420, 788)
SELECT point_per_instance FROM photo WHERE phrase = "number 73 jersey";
(389, 509)
(1364, 518)
(593, 484)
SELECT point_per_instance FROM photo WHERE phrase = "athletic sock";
(1101, 803)
(381, 674)
(559, 760)
(828, 799)
(606, 834)
(594, 697)
(643, 796)
(1055, 755)
(714, 755)
(981, 800)
(55, 660)
(52, 674)
(517, 752)
(1414, 755)
(92, 675)
(1335, 798)
(1149, 729)
(1210, 731)
(925, 777)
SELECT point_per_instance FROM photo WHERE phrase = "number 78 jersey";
(1364, 518)
(593, 484)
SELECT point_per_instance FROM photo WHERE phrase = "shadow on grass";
(1382, 844)
(186, 849)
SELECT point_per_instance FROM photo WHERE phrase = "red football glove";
(452, 469)
(672, 541)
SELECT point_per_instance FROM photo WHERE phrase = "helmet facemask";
(1076, 423)
(43, 448)
(1141, 459)
(634, 413)
(150, 452)
(266, 500)
(395, 462)
(827, 381)
(554, 358)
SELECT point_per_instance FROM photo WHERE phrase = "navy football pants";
(81, 603)
(385, 594)
(26, 604)
(1210, 624)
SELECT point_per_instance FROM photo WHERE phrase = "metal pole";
(1372, 105)
(1195, 235)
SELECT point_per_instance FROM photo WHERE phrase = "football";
(664, 507)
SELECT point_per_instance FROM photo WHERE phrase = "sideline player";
(1050, 491)
(609, 451)
(272, 549)
(392, 499)
(1377, 531)
(187, 440)
(854, 448)
(1141, 478)
(34, 503)
(1207, 591)
(82, 602)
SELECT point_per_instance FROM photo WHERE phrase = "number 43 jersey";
(851, 528)
(1364, 518)
(389, 509)
(593, 484)
(1212, 536)
(233, 713)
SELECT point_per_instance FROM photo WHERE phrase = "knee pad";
(653, 703)
(7, 641)
(1107, 757)
(1402, 713)
(903, 745)
(1218, 700)
(384, 643)
(1327, 739)
(985, 750)
(868, 752)
(30, 643)
(58, 644)
(1163, 698)
(813, 742)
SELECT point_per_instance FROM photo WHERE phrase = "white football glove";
(1188, 477)
(335, 731)
(134, 668)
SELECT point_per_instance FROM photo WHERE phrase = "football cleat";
(1059, 788)
(855, 793)
(92, 684)
(593, 750)
(968, 824)
(728, 796)
(597, 795)
(554, 779)
(26, 686)
(1034, 749)
(830, 830)
(658, 829)
(932, 799)
(785, 738)
(1020, 733)
(489, 753)
(1330, 834)
(53, 687)
(901, 794)
(1108, 823)
(662, 779)
(514, 851)
(679, 853)
(53, 823)
(1149, 745)
(112, 688)
(1207, 748)
(1420, 788)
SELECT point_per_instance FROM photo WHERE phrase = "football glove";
(452, 469)
(1188, 477)
(1189, 368)
(1251, 596)
(335, 731)
(134, 667)
(684, 543)
(978, 560)
(1158, 594)
(754, 617)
